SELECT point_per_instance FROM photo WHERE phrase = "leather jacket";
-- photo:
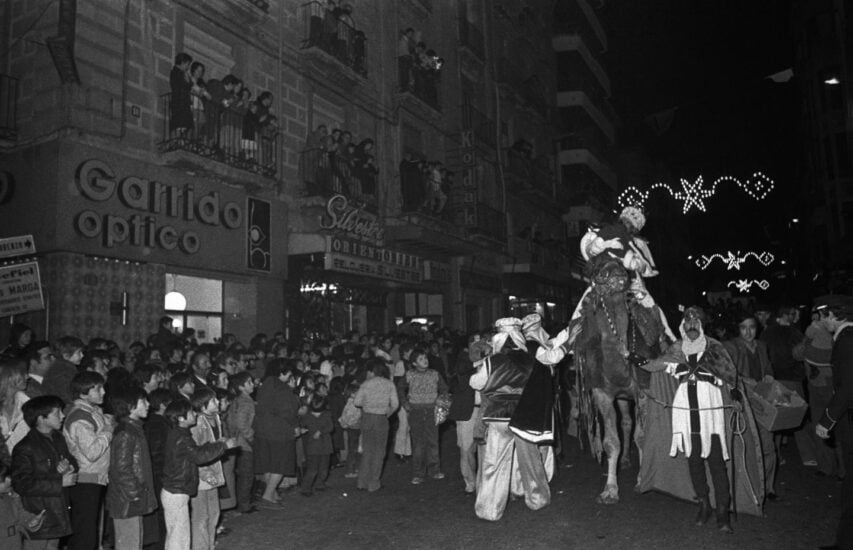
(131, 489)
(183, 457)
(34, 477)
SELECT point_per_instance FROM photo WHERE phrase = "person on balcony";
(180, 85)
(365, 169)
(200, 97)
(221, 97)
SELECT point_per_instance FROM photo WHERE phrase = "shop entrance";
(195, 303)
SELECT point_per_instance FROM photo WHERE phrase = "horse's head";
(608, 275)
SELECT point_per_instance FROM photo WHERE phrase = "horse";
(617, 333)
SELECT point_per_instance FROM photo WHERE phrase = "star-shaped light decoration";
(744, 285)
(734, 260)
(693, 195)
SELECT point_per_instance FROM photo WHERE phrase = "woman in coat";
(276, 426)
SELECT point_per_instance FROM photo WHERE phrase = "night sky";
(709, 60)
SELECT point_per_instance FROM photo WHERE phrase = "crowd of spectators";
(419, 67)
(219, 117)
(230, 426)
(333, 163)
(163, 436)
(331, 28)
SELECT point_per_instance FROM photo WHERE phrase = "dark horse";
(616, 334)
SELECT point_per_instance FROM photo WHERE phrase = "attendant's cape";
(661, 472)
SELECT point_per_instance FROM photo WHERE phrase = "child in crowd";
(318, 445)
(15, 522)
(350, 420)
(227, 492)
(239, 420)
(88, 434)
(43, 469)
(157, 429)
(420, 388)
(130, 494)
(181, 472)
(57, 380)
(205, 505)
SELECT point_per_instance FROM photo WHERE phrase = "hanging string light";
(734, 260)
(693, 195)
(744, 285)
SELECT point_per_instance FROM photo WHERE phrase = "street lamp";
(832, 81)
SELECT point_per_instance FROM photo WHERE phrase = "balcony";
(325, 175)
(334, 48)
(577, 16)
(8, 108)
(581, 106)
(421, 83)
(221, 134)
(481, 125)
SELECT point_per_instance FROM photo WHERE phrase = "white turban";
(508, 327)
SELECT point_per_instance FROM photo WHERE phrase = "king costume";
(514, 424)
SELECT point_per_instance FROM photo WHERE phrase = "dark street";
(438, 514)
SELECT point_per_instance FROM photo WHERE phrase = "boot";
(723, 523)
(705, 510)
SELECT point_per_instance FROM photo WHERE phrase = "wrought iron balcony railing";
(220, 133)
(330, 31)
(8, 107)
(325, 174)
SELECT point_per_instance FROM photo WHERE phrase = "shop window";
(194, 303)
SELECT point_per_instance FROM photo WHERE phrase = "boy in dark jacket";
(157, 429)
(15, 522)
(180, 471)
(43, 469)
(130, 494)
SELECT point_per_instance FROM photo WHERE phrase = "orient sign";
(341, 216)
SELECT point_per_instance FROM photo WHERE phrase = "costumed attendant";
(836, 314)
(540, 388)
(703, 367)
(501, 379)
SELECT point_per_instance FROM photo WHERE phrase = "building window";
(202, 305)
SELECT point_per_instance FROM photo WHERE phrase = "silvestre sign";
(156, 203)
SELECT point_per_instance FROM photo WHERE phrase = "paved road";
(439, 515)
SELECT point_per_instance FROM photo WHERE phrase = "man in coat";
(836, 314)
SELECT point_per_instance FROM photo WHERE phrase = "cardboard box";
(776, 407)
